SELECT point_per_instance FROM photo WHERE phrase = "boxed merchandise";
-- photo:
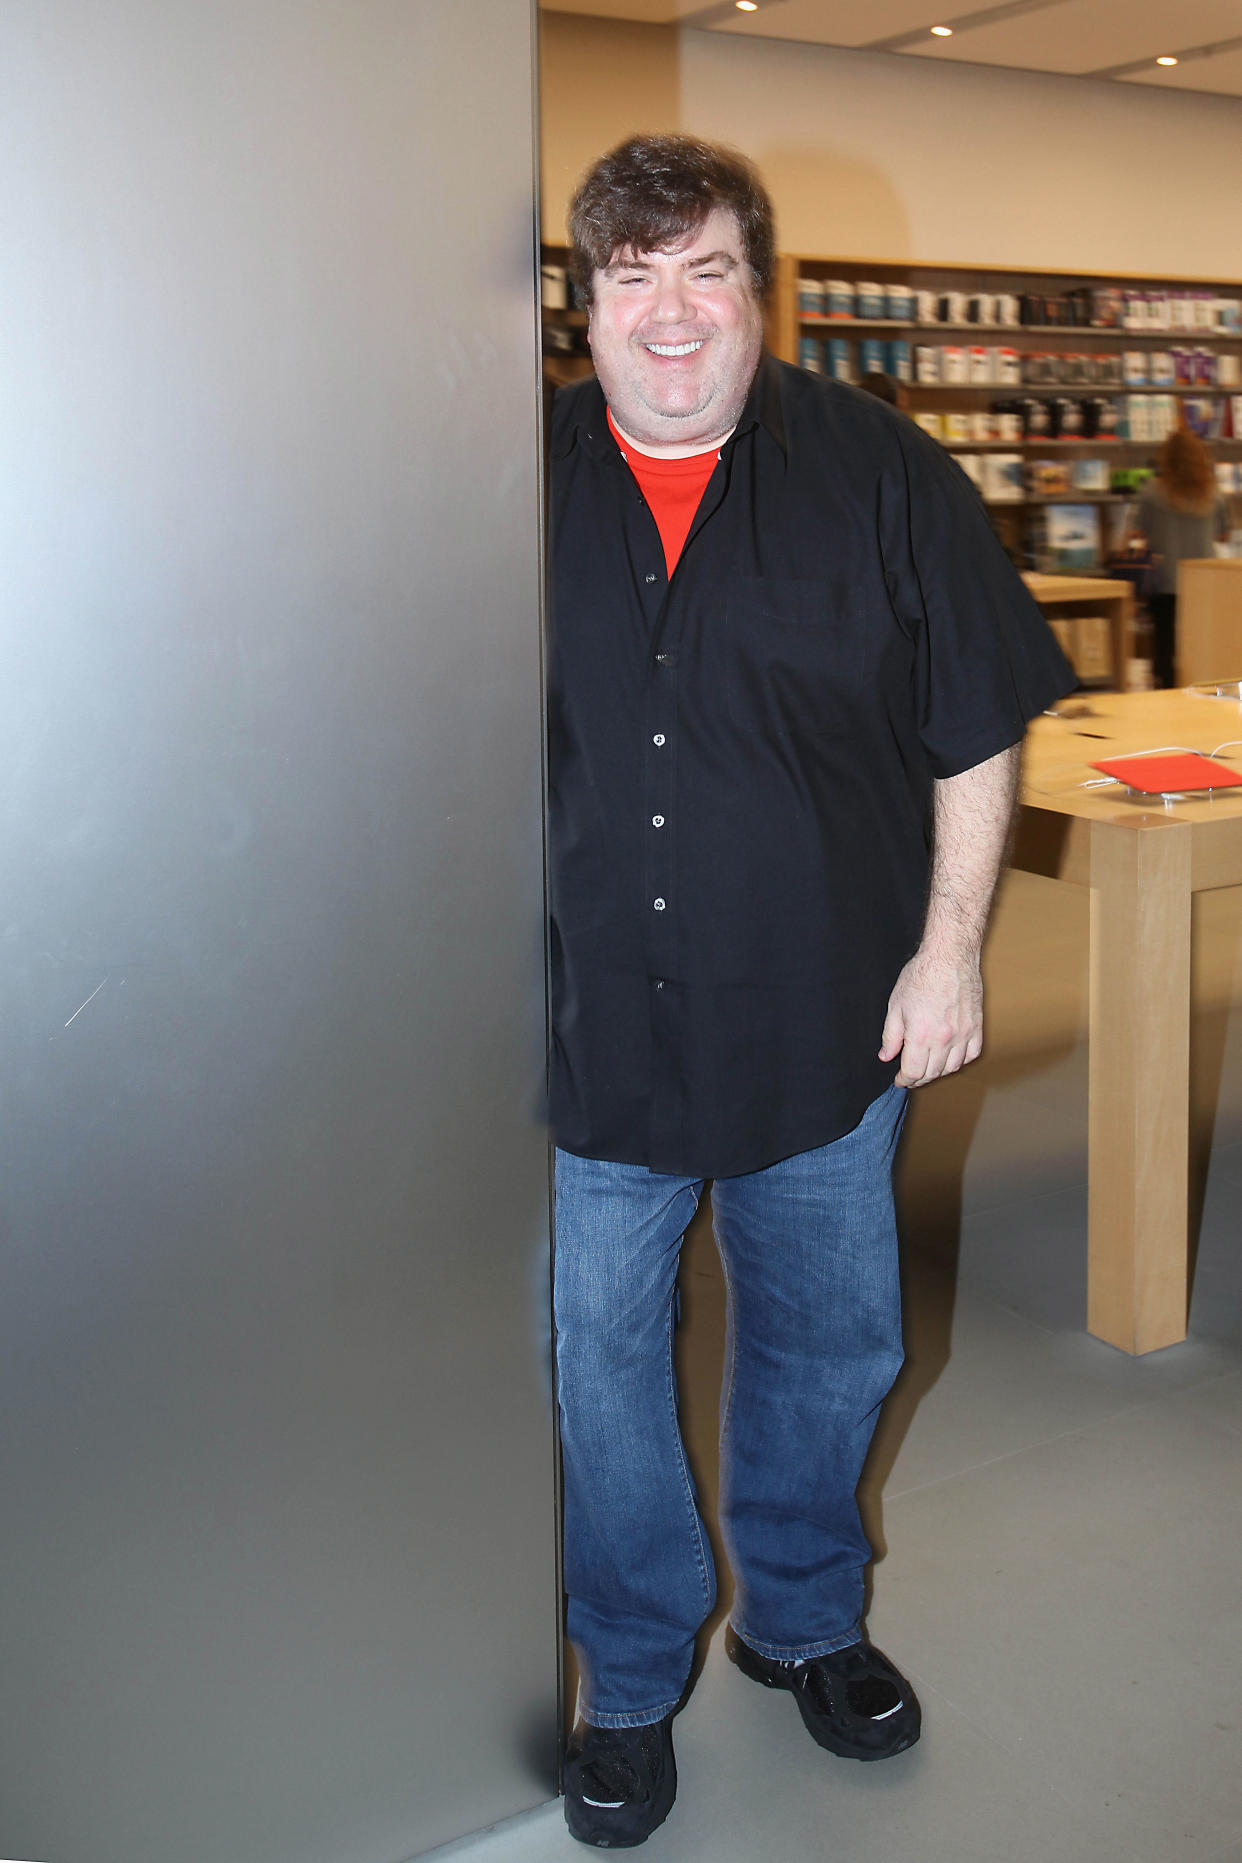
(899, 303)
(956, 429)
(1093, 639)
(1047, 478)
(839, 298)
(811, 355)
(930, 423)
(872, 355)
(1107, 308)
(869, 299)
(1134, 367)
(981, 365)
(954, 365)
(927, 363)
(981, 307)
(1089, 475)
(952, 307)
(898, 359)
(1002, 478)
(972, 466)
(1008, 367)
(1076, 369)
(1007, 309)
(1009, 425)
(1067, 418)
(1228, 371)
(1183, 365)
(810, 297)
(983, 426)
(1228, 314)
(927, 306)
(1162, 369)
(840, 359)
(1107, 369)
(1204, 303)
(1181, 311)
(1235, 416)
(1203, 368)
(1036, 419)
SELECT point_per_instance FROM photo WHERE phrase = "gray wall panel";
(276, 1511)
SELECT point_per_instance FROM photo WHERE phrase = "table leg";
(1139, 1119)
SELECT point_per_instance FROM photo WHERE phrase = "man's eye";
(710, 278)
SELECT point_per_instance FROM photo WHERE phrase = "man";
(786, 649)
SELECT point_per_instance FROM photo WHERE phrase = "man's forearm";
(935, 1012)
(972, 817)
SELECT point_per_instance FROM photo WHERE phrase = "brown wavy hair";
(1187, 472)
(652, 192)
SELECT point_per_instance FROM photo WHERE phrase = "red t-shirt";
(672, 487)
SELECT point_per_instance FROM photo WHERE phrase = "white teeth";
(674, 349)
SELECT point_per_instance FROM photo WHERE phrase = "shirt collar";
(762, 408)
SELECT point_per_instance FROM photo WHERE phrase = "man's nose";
(671, 302)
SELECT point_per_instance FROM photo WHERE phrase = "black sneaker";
(854, 1701)
(620, 1783)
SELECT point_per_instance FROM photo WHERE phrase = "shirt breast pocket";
(794, 657)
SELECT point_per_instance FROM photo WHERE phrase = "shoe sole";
(606, 1831)
(752, 1664)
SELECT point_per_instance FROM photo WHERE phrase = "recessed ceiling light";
(942, 32)
(747, 6)
(1166, 60)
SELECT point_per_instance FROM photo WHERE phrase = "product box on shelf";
(1089, 475)
(811, 355)
(972, 465)
(954, 363)
(898, 359)
(957, 429)
(839, 298)
(810, 297)
(1093, 637)
(930, 423)
(1134, 366)
(1003, 481)
(1047, 478)
(872, 355)
(869, 299)
(899, 303)
(927, 364)
(840, 359)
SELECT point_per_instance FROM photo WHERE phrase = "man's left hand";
(935, 1017)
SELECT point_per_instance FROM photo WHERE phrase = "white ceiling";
(1110, 39)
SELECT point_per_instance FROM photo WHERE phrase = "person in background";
(1181, 514)
(790, 673)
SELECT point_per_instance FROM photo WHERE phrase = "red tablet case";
(1170, 773)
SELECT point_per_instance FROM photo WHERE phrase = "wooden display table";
(1209, 619)
(1143, 860)
(1067, 596)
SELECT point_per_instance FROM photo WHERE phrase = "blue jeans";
(809, 1250)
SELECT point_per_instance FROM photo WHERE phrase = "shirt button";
(657, 821)
(658, 904)
(651, 578)
(661, 659)
(659, 983)
(658, 738)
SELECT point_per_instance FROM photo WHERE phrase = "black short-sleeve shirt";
(741, 760)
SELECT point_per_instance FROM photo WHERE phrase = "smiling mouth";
(675, 349)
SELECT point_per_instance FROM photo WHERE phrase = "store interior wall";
(277, 1509)
(884, 157)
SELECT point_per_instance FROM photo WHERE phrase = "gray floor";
(1058, 1527)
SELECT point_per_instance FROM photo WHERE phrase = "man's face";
(676, 338)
